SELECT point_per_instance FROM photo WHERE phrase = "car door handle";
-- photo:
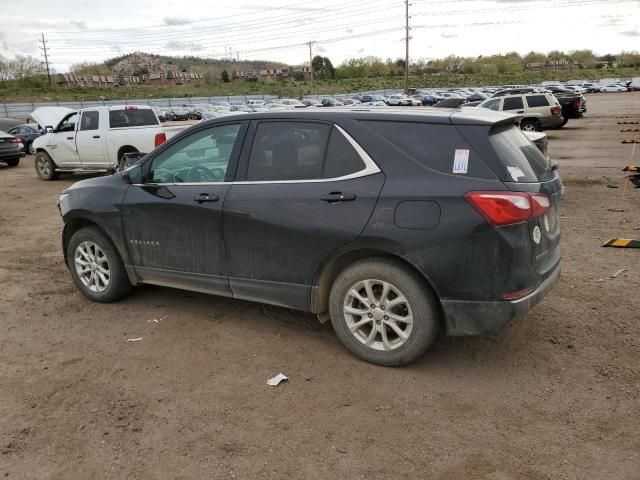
(69, 138)
(205, 197)
(96, 136)
(520, 111)
(335, 197)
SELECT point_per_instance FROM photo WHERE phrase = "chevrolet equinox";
(393, 224)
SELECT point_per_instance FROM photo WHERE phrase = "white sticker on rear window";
(461, 161)
(515, 173)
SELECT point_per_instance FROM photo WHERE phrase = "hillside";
(137, 63)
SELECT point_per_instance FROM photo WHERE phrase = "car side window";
(201, 157)
(288, 151)
(537, 101)
(90, 120)
(68, 123)
(342, 159)
(513, 103)
(493, 104)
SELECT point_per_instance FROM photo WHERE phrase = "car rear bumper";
(13, 154)
(548, 123)
(478, 317)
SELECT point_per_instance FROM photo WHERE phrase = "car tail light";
(540, 204)
(576, 103)
(160, 139)
(555, 111)
(130, 107)
(15, 140)
(506, 208)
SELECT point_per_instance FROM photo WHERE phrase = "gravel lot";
(556, 395)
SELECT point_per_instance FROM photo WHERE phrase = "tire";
(420, 305)
(105, 280)
(45, 168)
(564, 122)
(530, 125)
(13, 162)
(121, 159)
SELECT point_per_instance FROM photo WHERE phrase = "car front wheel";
(96, 267)
(384, 312)
(45, 168)
(530, 125)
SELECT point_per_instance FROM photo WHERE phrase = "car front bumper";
(478, 317)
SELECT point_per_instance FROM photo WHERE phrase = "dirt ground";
(556, 395)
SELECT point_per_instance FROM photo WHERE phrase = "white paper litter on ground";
(277, 379)
(134, 339)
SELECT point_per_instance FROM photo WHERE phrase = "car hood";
(50, 116)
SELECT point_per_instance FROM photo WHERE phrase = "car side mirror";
(133, 175)
(48, 129)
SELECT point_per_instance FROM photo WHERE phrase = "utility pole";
(406, 47)
(46, 58)
(311, 65)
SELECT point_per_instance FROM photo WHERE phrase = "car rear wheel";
(13, 162)
(384, 312)
(45, 168)
(530, 125)
(96, 267)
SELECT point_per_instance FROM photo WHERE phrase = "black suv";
(392, 224)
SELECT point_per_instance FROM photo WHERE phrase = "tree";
(584, 58)
(6, 71)
(225, 76)
(353, 68)
(322, 67)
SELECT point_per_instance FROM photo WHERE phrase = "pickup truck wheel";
(13, 162)
(383, 312)
(96, 267)
(530, 125)
(45, 168)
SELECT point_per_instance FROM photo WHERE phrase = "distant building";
(69, 80)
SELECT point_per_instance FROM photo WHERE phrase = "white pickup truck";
(94, 139)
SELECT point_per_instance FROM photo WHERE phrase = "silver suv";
(540, 111)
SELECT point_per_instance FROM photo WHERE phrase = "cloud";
(321, 49)
(78, 24)
(449, 35)
(191, 46)
(631, 33)
(176, 20)
(349, 30)
(360, 50)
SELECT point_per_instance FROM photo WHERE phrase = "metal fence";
(21, 111)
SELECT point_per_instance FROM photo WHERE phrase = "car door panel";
(62, 142)
(278, 232)
(276, 235)
(173, 222)
(89, 141)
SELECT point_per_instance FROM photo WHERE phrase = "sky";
(279, 30)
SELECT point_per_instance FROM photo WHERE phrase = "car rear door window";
(288, 151)
(89, 120)
(537, 101)
(132, 117)
(202, 157)
(513, 103)
(342, 159)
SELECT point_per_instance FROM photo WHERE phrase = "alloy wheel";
(378, 314)
(43, 166)
(92, 267)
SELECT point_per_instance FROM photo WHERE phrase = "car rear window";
(138, 117)
(523, 162)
